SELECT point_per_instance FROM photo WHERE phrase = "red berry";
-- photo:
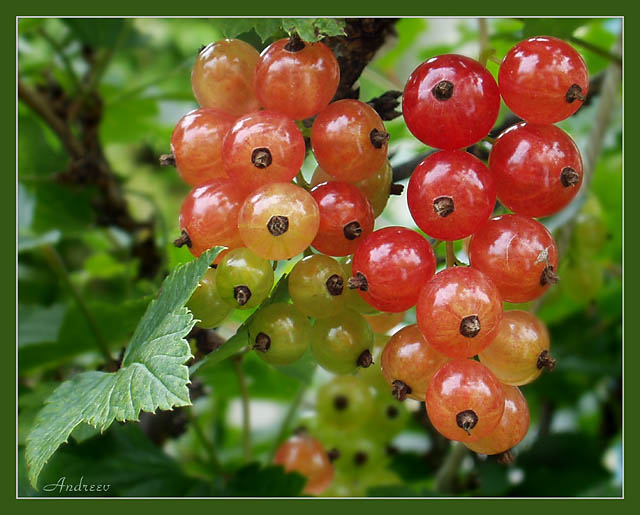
(390, 267)
(376, 187)
(459, 312)
(543, 80)
(346, 218)
(307, 456)
(209, 216)
(537, 169)
(518, 254)
(298, 82)
(349, 140)
(222, 76)
(450, 102)
(408, 363)
(464, 400)
(196, 143)
(511, 429)
(451, 193)
(262, 148)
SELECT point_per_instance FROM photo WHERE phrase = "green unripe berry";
(342, 343)
(244, 279)
(279, 333)
(344, 403)
(318, 286)
(206, 304)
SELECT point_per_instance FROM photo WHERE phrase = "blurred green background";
(86, 272)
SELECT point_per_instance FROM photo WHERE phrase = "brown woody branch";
(88, 166)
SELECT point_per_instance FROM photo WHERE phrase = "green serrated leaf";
(153, 375)
(264, 27)
(240, 340)
(314, 29)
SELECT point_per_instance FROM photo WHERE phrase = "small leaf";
(314, 29)
(153, 375)
(264, 27)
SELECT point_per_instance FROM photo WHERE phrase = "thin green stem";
(483, 39)
(206, 443)
(246, 421)
(451, 255)
(288, 418)
(489, 139)
(446, 475)
(55, 261)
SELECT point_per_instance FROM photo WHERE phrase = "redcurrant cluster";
(241, 152)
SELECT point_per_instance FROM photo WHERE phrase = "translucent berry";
(451, 193)
(346, 218)
(518, 254)
(307, 456)
(222, 76)
(376, 187)
(278, 221)
(390, 267)
(244, 279)
(459, 312)
(349, 140)
(409, 362)
(537, 169)
(196, 143)
(261, 148)
(317, 286)
(511, 429)
(450, 102)
(279, 333)
(342, 343)
(465, 401)
(209, 216)
(345, 402)
(206, 304)
(520, 350)
(296, 78)
(543, 80)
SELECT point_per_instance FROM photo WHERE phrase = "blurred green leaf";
(116, 324)
(573, 460)
(38, 323)
(269, 481)
(561, 28)
(39, 151)
(96, 32)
